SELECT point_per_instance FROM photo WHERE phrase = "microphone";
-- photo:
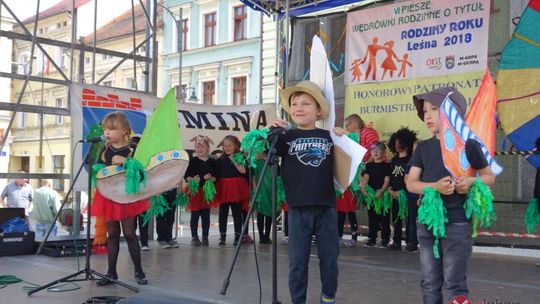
(93, 139)
(280, 130)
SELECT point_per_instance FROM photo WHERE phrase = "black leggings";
(352, 221)
(194, 222)
(264, 224)
(113, 244)
(224, 214)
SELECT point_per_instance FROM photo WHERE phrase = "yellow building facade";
(56, 148)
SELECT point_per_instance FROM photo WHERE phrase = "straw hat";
(310, 88)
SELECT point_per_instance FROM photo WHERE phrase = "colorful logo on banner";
(95, 107)
(453, 133)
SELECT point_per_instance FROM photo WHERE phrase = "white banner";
(217, 122)
(416, 39)
(91, 103)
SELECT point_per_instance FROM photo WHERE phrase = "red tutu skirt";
(113, 211)
(346, 202)
(197, 202)
(233, 190)
(285, 207)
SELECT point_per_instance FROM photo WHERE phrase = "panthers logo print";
(310, 151)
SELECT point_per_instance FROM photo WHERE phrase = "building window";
(64, 24)
(58, 25)
(240, 24)
(60, 57)
(181, 92)
(130, 83)
(87, 60)
(59, 102)
(107, 83)
(58, 168)
(22, 120)
(209, 92)
(185, 30)
(239, 90)
(210, 29)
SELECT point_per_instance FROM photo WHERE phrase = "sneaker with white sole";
(285, 240)
(145, 248)
(164, 245)
(327, 300)
(173, 243)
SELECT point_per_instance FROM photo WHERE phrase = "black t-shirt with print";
(201, 167)
(377, 172)
(307, 167)
(428, 157)
(399, 166)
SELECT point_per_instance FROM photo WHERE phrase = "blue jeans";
(42, 228)
(450, 271)
(304, 222)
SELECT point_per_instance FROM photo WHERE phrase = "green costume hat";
(159, 162)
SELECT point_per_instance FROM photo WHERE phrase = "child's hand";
(207, 176)
(445, 185)
(379, 194)
(197, 178)
(363, 189)
(393, 194)
(118, 160)
(339, 131)
(463, 184)
(276, 124)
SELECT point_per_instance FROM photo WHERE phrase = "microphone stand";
(89, 273)
(272, 160)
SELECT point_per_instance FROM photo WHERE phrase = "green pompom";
(181, 200)
(239, 159)
(95, 170)
(479, 205)
(370, 200)
(255, 142)
(158, 207)
(386, 202)
(354, 136)
(355, 185)
(135, 175)
(193, 187)
(380, 205)
(403, 213)
(532, 216)
(432, 213)
(209, 191)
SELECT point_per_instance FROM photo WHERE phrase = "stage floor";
(366, 275)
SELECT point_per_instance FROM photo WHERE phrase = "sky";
(107, 10)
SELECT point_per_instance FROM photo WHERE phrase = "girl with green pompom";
(117, 130)
(444, 231)
(201, 172)
(232, 186)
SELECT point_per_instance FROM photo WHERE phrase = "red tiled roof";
(61, 7)
(122, 25)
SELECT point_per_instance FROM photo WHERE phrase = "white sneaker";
(285, 240)
(145, 248)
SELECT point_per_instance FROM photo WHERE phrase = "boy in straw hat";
(307, 171)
